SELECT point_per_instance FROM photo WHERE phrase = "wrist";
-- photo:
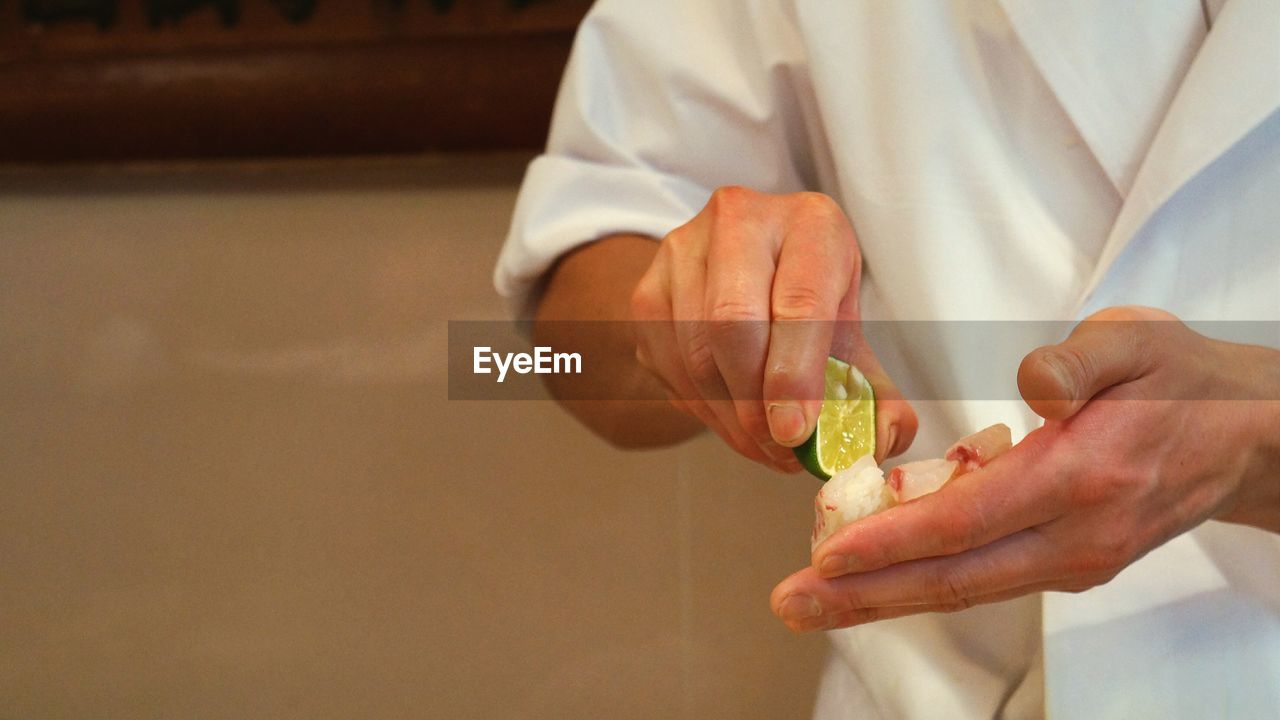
(1258, 500)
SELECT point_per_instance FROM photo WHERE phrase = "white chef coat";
(1000, 160)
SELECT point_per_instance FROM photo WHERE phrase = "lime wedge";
(846, 427)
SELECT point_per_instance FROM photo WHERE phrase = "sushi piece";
(910, 480)
(980, 448)
(851, 494)
(862, 489)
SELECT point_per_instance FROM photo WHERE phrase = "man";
(994, 160)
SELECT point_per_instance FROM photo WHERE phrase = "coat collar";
(1232, 87)
(1154, 112)
(1114, 67)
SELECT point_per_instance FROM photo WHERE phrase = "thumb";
(1104, 350)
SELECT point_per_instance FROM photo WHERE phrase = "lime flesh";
(846, 428)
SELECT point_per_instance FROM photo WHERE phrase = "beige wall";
(233, 485)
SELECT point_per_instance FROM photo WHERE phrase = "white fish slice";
(910, 480)
(980, 448)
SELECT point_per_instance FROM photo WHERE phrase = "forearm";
(594, 283)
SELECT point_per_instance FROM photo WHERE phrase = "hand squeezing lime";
(846, 427)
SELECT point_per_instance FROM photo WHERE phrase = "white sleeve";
(662, 102)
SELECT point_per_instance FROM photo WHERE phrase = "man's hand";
(1150, 430)
(739, 311)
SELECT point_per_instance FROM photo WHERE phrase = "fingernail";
(799, 607)
(1066, 379)
(891, 438)
(825, 622)
(835, 565)
(786, 422)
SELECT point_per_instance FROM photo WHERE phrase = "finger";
(739, 279)
(659, 350)
(687, 289)
(974, 509)
(688, 294)
(646, 334)
(815, 265)
(1106, 349)
(656, 355)
(862, 616)
(1021, 560)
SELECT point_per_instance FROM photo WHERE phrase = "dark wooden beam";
(465, 84)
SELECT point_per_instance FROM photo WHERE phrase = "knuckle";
(679, 237)
(782, 376)
(646, 300)
(1118, 550)
(824, 215)
(728, 205)
(737, 330)
(1110, 553)
(730, 310)
(1133, 313)
(700, 362)
(1143, 326)
(951, 587)
(1118, 313)
(853, 599)
(729, 198)
(818, 205)
(1078, 364)
(798, 302)
(726, 211)
(861, 616)
(963, 527)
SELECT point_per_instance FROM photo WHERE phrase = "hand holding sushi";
(739, 311)
(1150, 430)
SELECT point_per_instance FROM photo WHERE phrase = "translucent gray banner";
(953, 360)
